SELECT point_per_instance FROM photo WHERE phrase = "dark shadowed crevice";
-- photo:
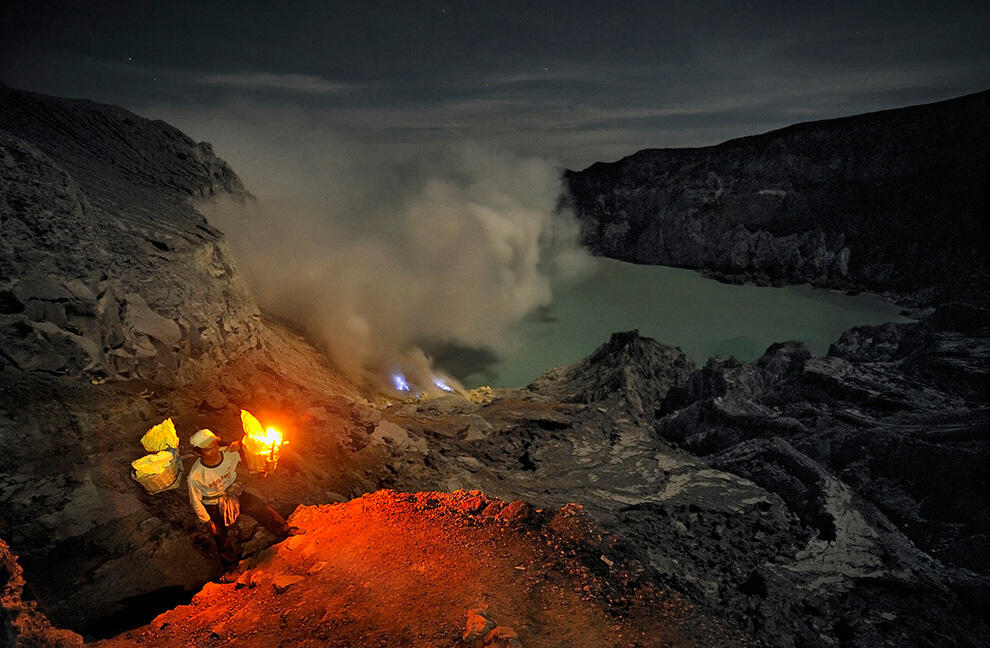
(136, 611)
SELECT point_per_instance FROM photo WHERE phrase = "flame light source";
(262, 446)
(439, 382)
(272, 437)
(399, 381)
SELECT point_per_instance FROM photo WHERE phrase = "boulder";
(477, 626)
(284, 582)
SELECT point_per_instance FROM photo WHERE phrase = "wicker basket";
(163, 481)
(262, 463)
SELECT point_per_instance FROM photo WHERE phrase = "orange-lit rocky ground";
(431, 570)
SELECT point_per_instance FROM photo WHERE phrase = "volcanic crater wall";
(888, 201)
(106, 268)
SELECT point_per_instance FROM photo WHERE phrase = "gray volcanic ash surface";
(814, 501)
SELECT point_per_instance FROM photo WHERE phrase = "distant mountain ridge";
(895, 201)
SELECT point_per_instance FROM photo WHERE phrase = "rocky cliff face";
(889, 201)
(120, 306)
(21, 623)
(106, 268)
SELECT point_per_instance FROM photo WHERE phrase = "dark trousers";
(250, 505)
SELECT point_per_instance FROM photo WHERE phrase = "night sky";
(573, 81)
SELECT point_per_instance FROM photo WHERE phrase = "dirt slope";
(395, 569)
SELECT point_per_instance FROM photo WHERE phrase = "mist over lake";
(678, 307)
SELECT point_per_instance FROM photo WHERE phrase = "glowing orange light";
(260, 442)
(271, 437)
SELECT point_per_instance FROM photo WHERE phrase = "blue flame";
(400, 382)
(442, 385)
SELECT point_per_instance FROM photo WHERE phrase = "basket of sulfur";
(261, 446)
(160, 470)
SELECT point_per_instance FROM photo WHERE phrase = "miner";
(218, 499)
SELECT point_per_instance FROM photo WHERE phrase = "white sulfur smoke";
(375, 254)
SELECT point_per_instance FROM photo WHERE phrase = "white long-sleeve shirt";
(210, 483)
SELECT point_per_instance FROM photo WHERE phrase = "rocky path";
(432, 570)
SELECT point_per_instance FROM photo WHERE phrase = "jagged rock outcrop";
(899, 411)
(625, 369)
(799, 508)
(888, 201)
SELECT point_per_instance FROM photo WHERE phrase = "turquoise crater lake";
(677, 307)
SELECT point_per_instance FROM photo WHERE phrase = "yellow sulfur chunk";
(152, 464)
(160, 437)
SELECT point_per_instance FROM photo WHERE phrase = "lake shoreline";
(680, 307)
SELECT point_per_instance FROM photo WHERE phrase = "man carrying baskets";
(217, 498)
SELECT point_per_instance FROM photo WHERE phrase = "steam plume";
(375, 254)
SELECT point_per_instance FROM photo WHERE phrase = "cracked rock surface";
(120, 306)
(814, 501)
